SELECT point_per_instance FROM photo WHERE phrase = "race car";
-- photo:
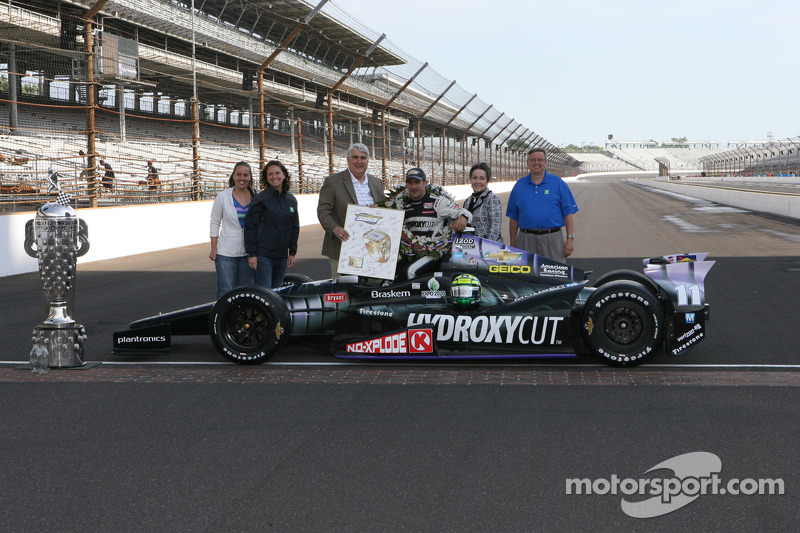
(483, 300)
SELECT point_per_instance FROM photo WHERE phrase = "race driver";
(426, 213)
(426, 216)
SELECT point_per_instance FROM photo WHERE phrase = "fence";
(772, 158)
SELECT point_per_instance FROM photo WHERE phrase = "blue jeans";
(232, 272)
(270, 271)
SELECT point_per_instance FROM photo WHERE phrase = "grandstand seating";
(27, 156)
(592, 162)
(644, 158)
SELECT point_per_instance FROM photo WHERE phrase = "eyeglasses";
(537, 160)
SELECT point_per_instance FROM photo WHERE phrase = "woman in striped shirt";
(227, 230)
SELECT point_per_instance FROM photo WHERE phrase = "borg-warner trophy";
(57, 237)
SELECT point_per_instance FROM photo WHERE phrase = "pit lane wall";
(129, 230)
(777, 203)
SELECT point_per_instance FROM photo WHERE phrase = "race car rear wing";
(682, 278)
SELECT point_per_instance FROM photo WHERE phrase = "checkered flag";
(63, 198)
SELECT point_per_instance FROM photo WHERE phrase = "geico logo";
(496, 329)
(510, 269)
(142, 339)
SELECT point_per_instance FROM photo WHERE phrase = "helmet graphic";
(466, 291)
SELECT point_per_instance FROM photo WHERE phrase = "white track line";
(450, 364)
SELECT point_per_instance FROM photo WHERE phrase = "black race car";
(484, 300)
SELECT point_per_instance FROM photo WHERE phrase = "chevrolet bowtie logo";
(504, 256)
(366, 217)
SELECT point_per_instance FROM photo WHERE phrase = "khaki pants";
(550, 245)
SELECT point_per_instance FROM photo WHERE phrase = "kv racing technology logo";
(693, 475)
(412, 341)
(492, 329)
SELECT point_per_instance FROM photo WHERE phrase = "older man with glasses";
(539, 206)
(350, 186)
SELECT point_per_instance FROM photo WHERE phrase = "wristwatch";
(571, 236)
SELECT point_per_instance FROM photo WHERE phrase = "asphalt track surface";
(187, 442)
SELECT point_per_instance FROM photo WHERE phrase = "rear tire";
(249, 325)
(623, 323)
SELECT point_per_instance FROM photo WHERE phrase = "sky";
(575, 71)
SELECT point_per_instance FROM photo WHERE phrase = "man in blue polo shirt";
(539, 205)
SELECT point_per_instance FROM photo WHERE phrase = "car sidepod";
(513, 321)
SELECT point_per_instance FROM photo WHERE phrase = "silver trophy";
(59, 238)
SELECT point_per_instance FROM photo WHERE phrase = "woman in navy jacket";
(272, 227)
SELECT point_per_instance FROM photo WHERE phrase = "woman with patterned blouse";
(487, 213)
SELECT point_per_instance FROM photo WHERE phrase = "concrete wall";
(120, 231)
(776, 203)
(620, 174)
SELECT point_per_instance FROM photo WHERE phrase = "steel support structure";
(422, 115)
(383, 110)
(262, 130)
(444, 138)
(335, 88)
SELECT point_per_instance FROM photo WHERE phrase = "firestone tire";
(623, 323)
(249, 325)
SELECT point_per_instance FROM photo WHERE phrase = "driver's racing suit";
(427, 216)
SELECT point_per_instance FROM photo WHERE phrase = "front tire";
(623, 323)
(249, 325)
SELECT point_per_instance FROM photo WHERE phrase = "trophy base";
(64, 345)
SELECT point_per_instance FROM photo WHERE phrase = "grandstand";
(683, 158)
(756, 158)
(594, 162)
(750, 158)
(197, 90)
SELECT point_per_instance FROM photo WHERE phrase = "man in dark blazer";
(351, 186)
